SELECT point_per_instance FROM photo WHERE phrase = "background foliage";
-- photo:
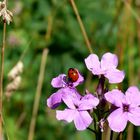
(38, 24)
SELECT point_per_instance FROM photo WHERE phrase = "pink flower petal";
(70, 97)
(115, 76)
(88, 102)
(133, 96)
(109, 61)
(55, 99)
(58, 82)
(69, 100)
(93, 64)
(116, 97)
(82, 120)
(117, 120)
(134, 116)
(66, 115)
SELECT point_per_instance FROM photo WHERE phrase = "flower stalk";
(1, 75)
(101, 106)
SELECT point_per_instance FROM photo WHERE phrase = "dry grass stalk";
(81, 26)
(38, 95)
(7, 18)
(1, 77)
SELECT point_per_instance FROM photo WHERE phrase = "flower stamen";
(125, 108)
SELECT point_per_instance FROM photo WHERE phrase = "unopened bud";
(100, 87)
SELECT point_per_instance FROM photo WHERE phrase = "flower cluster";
(77, 105)
(124, 107)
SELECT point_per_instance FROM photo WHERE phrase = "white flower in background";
(4, 13)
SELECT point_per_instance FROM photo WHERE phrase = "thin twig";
(1, 76)
(38, 94)
(21, 119)
(81, 26)
(132, 11)
(49, 27)
(25, 50)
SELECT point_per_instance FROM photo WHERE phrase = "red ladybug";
(73, 74)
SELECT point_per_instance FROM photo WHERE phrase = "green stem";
(93, 131)
(118, 137)
(99, 135)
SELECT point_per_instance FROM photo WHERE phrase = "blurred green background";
(37, 24)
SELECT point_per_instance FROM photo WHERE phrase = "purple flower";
(65, 87)
(77, 111)
(127, 108)
(107, 67)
